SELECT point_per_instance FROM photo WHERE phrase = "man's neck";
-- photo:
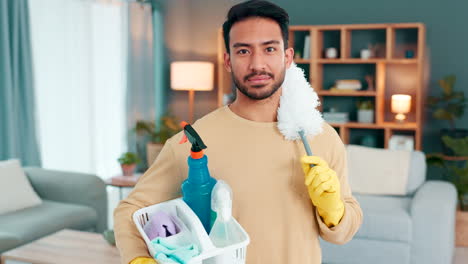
(257, 110)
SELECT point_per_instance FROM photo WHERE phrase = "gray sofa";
(412, 229)
(69, 200)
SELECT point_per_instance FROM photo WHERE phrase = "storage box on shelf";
(396, 65)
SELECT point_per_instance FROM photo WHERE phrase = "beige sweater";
(264, 171)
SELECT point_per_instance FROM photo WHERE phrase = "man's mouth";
(259, 79)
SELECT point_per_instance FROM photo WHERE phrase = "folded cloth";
(161, 224)
(170, 253)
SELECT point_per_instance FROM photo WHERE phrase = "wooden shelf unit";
(392, 70)
(346, 93)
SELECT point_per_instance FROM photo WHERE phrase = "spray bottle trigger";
(183, 124)
(184, 139)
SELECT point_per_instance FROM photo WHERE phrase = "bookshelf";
(393, 71)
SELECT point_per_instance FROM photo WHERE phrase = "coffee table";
(65, 246)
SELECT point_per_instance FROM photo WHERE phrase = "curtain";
(161, 68)
(80, 54)
(140, 80)
(17, 107)
(147, 91)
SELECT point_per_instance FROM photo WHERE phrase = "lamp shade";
(192, 75)
(401, 103)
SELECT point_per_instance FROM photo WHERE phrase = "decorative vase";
(409, 54)
(128, 169)
(331, 53)
(365, 116)
(366, 54)
(152, 151)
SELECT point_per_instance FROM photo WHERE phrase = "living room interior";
(92, 89)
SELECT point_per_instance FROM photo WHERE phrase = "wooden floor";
(461, 256)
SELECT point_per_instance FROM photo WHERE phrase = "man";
(283, 210)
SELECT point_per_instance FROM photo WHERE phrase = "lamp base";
(191, 100)
(400, 118)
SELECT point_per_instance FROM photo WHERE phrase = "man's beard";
(256, 96)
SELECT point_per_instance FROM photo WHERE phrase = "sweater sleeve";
(161, 182)
(352, 218)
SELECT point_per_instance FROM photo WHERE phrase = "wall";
(191, 28)
(191, 32)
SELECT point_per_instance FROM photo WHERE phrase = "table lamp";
(401, 105)
(192, 76)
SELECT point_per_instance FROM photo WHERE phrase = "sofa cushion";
(15, 189)
(8, 241)
(391, 172)
(385, 218)
(35, 222)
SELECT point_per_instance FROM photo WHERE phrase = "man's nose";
(257, 62)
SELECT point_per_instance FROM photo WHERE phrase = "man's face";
(257, 58)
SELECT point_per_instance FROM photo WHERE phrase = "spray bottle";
(224, 231)
(196, 189)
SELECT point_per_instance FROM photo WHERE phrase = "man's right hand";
(143, 260)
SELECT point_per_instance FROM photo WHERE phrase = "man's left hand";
(324, 189)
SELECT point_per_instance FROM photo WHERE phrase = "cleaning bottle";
(224, 231)
(196, 189)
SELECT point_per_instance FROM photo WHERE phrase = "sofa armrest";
(433, 211)
(71, 187)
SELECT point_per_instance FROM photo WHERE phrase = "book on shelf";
(335, 90)
(348, 84)
(306, 47)
(336, 117)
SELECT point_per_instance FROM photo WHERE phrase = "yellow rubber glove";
(324, 189)
(144, 260)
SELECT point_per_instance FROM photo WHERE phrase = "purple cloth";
(161, 224)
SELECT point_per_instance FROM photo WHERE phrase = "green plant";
(167, 129)
(128, 158)
(450, 105)
(456, 173)
(365, 105)
(458, 145)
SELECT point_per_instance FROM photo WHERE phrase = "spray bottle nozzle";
(191, 135)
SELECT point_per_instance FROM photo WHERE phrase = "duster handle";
(306, 144)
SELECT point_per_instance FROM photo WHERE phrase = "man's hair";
(256, 8)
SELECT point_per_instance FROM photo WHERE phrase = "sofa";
(69, 200)
(415, 228)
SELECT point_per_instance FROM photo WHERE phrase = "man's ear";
(227, 62)
(289, 56)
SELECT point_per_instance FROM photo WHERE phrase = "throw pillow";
(16, 192)
(378, 171)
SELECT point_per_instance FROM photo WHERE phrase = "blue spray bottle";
(196, 189)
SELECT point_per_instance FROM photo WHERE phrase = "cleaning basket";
(191, 229)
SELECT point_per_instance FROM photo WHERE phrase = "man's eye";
(270, 49)
(242, 51)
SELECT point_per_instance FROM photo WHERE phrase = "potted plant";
(365, 113)
(157, 138)
(449, 106)
(457, 172)
(128, 162)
